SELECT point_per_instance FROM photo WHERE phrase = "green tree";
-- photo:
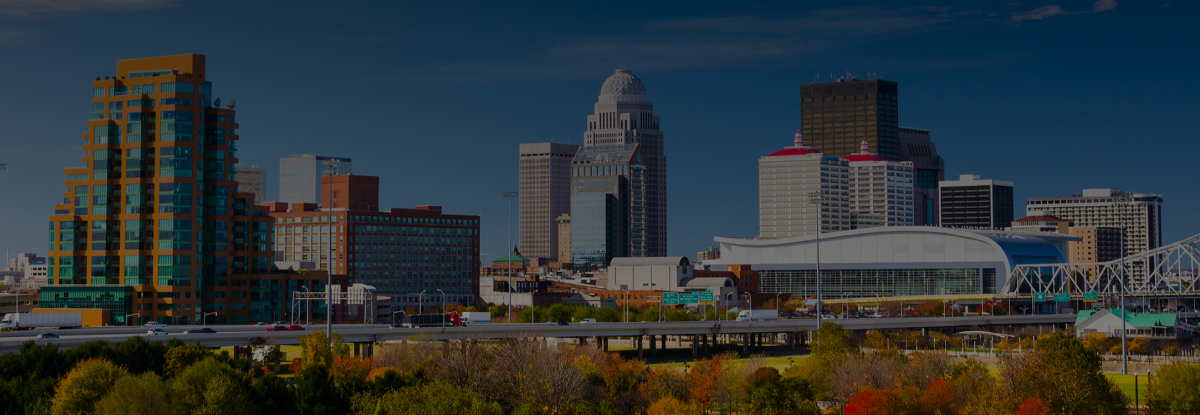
(315, 349)
(179, 358)
(1175, 390)
(830, 342)
(272, 393)
(315, 392)
(767, 394)
(84, 385)
(1067, 377)
(436, 398)
(210, 384)
(144, 394)
(139, 355)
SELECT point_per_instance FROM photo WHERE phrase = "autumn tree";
(669, 405)
(179, 358)
(85, 385)
(143, 394)
(868, 402)
(1067, 377)
(210, 385)
(1174, 390)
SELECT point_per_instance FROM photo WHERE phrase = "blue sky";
(434, 97)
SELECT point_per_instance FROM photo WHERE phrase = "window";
(178, 87)
(98, 92)
(177, 101)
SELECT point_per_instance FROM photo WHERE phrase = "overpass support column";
(604, 341)
(695, 346)
(356, 349)
(653, 339)
(639, 346)
(371, 350)
(746, 343)
(583, 341)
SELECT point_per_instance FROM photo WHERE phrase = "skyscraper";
(789, 180)
(619, 177)
(1139, 215)
(929, 168)
(154, 224)
(971, 202)
(300, 176)
(252, 180)
(836, 116)
(881, 190)
(545, 189)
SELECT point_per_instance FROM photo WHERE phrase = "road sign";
(1062, 297)
(1091, 296)
(1039, 297)
(670, 298)
(689, 298)
(706, 297)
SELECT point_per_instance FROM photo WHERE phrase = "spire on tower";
(798, 141)
(863, 147)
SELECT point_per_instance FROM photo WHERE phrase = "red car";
(278, 328)
(295, 328)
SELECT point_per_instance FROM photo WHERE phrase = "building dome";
(623, 86)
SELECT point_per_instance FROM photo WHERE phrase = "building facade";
(892, 261)
(619, 177)
(1137, 215)
(881, 190)
(300, 176)
(835, 116)
(916, 146)
(154, 226)
(790, 180)
(564, 237)
(252, 180)
(545, 189)
(971, 202)
(401, 252)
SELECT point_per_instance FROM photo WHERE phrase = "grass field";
(1125, 382)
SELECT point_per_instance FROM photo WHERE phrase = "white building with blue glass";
(892, 261)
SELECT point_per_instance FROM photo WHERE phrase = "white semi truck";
(758, 315)
(27, 321)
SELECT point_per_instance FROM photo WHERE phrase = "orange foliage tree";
(1033, 406)
(868, 403)
(705, 380)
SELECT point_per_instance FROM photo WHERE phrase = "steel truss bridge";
(1167, 271)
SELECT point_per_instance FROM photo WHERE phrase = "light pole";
(203, 318)
(394, 316)
(511, 195)
(443, 307)
(328, 171)
(626, 317)
(127, 316)
(817, 198)
(421, 303)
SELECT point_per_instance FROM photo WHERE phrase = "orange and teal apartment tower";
(153, 227)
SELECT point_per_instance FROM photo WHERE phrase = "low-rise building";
(1108, 321)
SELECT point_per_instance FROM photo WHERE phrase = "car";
(205, 330)
(47, 336)
(262, 324)
(154, 324)
(156, 332)
(282, 323)
(277, 328)
(295, 328)
(587, 320)
(559, 323)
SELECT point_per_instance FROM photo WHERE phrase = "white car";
(282, 323)
(154, 324)
(262, 323)
(587, 320)
(156, 332)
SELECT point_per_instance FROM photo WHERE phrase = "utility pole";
(511, 195)
(818, 199)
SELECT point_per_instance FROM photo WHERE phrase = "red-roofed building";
(789, 179)
(881, 190)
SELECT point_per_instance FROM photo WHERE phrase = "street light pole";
(421, 303)
(815, 197)
(329, 262)
(443, 307)
(511, 195)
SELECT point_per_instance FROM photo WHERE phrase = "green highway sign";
(1039, 297)
(670, 298)
(689, 298)
(1062, 297)
(1091, 296)
(706, 297)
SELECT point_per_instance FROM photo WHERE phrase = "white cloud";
(1049, 10)
(28, 8)
(1104, 5)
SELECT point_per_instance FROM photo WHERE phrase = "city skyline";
(1057, 83)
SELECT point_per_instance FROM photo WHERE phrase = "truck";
(477, 317)
(758, 315)
(28, 321)
(92, 317)
(450, 319)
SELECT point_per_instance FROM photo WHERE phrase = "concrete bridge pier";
(356, 349)
(639, 347)
(695, 345)
(583, 341)
(746, 343)
(604, 342)
(653, 340)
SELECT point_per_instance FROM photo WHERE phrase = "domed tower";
(622, 144)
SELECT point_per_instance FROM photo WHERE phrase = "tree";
(1067, 377)
(1139, 345)
(939, 397)
(1097, 342)
(138, 355)
(210, 385)
(1174, 391)
(1033, 406)
(226, 395)
(831, 342)
(232, 104)
(669, 405)
(179, 358)
(316, 350)
(143, 394)
(315, 394)
(435, 398)
(84, 385)
(272, 393)
(868, 403)
(767, 394)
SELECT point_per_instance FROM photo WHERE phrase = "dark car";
(559, 323)
(295, 328)
(47, 336)
(277, 328)
(205, 330)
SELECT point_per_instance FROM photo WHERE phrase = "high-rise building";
(252, 180)
(881, 190)
(564, 237)
(837, 115)
(545, 189)
(401, 252)
(619, 177)
(971, 202)
(300, 176)
(1138, 214)
(790, 180)
(928, 169)
(154, 224)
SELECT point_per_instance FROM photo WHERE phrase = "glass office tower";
(836, 116)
